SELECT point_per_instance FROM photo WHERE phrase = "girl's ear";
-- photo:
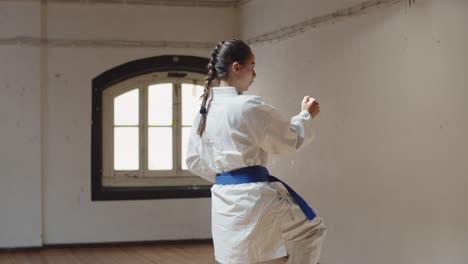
(236, 66)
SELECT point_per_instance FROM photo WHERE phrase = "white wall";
(20, 176)
(262, 16)
(388, 168)
(64, 207)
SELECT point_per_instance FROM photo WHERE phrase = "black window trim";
(118, 74)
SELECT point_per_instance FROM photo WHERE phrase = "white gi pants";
(303, 238)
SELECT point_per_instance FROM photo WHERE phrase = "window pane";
(126, 148)
(160, 104)
(185, 136)
(126, 108)
(190, 102)
(160, 148)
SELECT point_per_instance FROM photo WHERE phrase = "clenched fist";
(311, 105)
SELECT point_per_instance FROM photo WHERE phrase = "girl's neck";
(228, 83)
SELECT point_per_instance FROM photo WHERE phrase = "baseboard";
(111, 244)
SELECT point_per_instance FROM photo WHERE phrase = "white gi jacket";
(240, 131)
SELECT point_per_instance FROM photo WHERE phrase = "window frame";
(119, 76)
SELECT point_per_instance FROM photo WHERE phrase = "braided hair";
(223, 55)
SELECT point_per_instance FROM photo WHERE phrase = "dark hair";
(223, 55)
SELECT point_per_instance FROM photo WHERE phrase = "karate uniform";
(257, 221)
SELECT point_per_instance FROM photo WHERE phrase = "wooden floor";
(157, 254)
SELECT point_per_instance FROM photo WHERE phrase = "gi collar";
(224, 91)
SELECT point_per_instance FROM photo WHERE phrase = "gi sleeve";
(281, 136)
(194, 163)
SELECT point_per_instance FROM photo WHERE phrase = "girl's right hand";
(311, 105)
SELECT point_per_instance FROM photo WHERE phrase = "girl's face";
(244, 74)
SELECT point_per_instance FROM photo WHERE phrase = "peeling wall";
(20, 137)
(388, 168)
(62, 210)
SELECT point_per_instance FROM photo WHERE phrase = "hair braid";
(207, 91)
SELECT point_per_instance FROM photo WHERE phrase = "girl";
(255, 216)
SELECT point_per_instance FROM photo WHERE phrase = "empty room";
(233, 131)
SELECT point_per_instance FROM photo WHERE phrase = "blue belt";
(261, 174)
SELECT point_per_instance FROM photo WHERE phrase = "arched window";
(142, 114)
